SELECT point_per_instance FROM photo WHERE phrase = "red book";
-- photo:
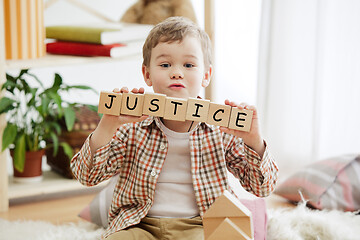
(90, 49)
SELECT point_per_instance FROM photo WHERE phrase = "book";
(99, 34)
(91, 49)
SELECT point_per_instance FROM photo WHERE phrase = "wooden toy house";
(228, 218)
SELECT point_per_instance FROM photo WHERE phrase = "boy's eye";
(188, 65)
(165, 65)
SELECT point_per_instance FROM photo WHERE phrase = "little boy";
(170, 172)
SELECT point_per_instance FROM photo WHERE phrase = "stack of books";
(79, 40)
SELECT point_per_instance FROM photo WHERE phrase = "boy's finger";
(116, 90)
(135, 118)
(141, 90)
(250, 107)
(227, 130)
(242, 105)
(134, 90)
(124, 90)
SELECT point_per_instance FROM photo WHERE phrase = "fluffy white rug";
(300, 223)
(39, 230)
(303, 223)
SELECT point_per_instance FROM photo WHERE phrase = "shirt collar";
(151, 119)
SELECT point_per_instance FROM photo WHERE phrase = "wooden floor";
(57, 211)
(66, 209)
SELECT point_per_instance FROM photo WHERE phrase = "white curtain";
(237, 25)
(309, 79)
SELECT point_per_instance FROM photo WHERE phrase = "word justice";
(178, 109)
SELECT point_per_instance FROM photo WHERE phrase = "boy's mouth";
(177, 85)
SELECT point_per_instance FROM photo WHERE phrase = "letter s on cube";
(154, 104)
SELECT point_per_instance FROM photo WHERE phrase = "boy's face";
(177, 69)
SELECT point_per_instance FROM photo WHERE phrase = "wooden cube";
(197, 109)
(219, 115)
(240, 119)
(132, 104)
(239, 218)
(228, 230)
(154, 104)
(175, 109)
(110, 103)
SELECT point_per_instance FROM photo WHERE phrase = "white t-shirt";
(174, 194)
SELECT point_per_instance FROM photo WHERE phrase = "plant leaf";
(22, 72)
(67, 150)
(82, 87)
(36, 78)
(19, 153)
(44, 105)
(56, 97)
(9, 135)
(57, 82)
(6, 104)
(55, 140)
(70, 116)
(10, 83)
(56, 126)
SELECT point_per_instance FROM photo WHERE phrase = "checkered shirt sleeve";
(256, 175)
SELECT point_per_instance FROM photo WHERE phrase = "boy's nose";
(177, 75)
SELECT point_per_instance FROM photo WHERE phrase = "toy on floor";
(229, 219)
(155, 11)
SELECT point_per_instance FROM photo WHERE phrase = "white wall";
(237, 24)
(309, 80)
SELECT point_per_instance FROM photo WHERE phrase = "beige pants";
(163, 229)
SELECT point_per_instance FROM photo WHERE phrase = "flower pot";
(32, 169)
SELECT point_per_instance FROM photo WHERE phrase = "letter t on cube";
(175, 109)
(110, 103)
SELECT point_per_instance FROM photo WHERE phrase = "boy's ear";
(207, 77)
(146, 75)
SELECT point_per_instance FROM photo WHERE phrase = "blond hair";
(175, 29)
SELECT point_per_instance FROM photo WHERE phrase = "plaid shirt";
(137, 152)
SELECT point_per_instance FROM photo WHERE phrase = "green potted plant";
(34, 115)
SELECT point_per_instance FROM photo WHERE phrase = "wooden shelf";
(51, 184)
(51, 60)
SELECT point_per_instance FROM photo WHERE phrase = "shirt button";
(153, 173)
(131, 220)
(162, 146)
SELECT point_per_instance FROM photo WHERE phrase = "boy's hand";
(109, 123)
(252, 138)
